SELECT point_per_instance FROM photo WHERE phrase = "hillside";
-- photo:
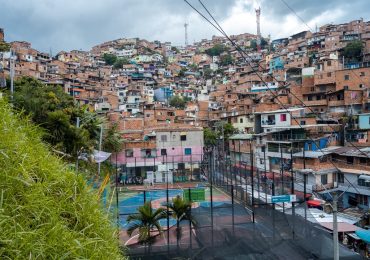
(46, 211)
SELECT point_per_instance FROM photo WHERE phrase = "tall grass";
(46, 211)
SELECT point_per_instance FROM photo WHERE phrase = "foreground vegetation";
(46, 211)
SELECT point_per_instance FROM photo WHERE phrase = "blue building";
(276, 63)
(163, 94)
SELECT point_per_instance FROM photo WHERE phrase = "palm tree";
(146, 220)
(180, 210)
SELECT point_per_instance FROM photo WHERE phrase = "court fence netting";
(235, 221)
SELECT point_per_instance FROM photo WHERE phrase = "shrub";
(46, 211)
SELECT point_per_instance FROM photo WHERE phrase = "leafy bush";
(46, 211)
(56, 112)
(109, 59)
(216, 50)
(353, 51)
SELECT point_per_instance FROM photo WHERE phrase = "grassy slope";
(46, 211)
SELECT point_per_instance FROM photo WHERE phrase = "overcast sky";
(81, 24)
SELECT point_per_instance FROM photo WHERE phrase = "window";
(362, 160)
(346, 77)
(187, 151)
(283, 117)
(241, 120)
(309, 98)
(163, 138)
(324, 179)
(129, 153)
(181, 166)
(349, 160)
(340, 177)
(183, 137)
(163, 151)
(329, 63)
(147, 115)
(362, 199)
(323, 159)
(302, 122)
(345, 87)
(363, 182)
(263, 148)
(328, 74)
(362, 74)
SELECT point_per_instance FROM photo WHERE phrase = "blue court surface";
(133, 201)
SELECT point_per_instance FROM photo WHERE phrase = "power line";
(239, 49)
(300, 18)
(242, 52)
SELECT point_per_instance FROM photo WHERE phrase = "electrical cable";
(242, 52)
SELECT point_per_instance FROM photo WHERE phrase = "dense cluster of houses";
(302, 101)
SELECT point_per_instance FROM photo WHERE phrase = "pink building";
(178, 150)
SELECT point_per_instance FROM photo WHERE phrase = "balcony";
(322, 102)
(322, 187)
(287, 137)
(335, 103)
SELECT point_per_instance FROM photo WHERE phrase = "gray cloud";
(309, 10)
(80, 24)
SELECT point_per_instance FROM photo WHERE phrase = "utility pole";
(186, 33)
(100, 143)
(335, 227)
(78, 152)
(11, 74)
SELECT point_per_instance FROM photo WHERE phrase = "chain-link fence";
(235, 220)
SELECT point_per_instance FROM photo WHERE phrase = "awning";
(314, 203)
(183, 133)
(100, 156)
(364, 177)
(354, 236)
(364, 235)
(342, 227)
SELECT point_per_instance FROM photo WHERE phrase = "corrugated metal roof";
(241, 137)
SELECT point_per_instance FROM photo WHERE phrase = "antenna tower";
(186, 33)
(258, 14)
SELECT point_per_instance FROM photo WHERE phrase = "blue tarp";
(364, 235)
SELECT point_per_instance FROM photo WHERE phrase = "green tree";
(55, 212)
(216, 50)
(210, 137)
(226, 60)
(180, 210)
(4, 47)
(182, 72)
(207, 73)
(229, 130)
(264, 43)
(118, 64)
(146, 221)
(56, 112)
(174, 49)
(353, 51)
(112, 140)
(109, 59)
(177, 102)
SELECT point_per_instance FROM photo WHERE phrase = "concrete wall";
(193, 138)
(277, 119)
